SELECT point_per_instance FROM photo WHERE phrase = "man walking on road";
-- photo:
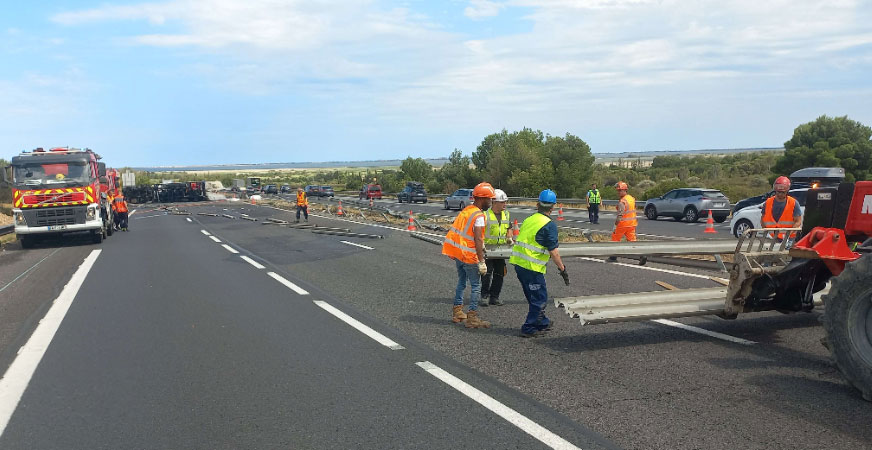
(496, 233)
(537, 243)
(464, 243)
(625, 220)
(119, 206)
(302, 205)
(593, 204)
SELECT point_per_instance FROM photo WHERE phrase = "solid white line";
(515, 418)
(229, 248)
(205, 232)
(357, 245)
(214, 239)
(18, 376)
(132, 212)
(288, 284)
(146, 217)
(375, 335)
(254, 263)
(655, 269)
(713, 334)
(188, 219)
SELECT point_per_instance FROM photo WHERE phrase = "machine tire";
(97, 236)
(691, 215)
(651, 212)
(848, 321)
(744, 225)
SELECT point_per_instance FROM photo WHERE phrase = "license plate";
(57, 227)
(720, 205)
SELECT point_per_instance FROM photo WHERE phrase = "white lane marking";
(146, 217)
(132, 212)
(17, 377)
(254, 263)
(288, 284)
(655, 269)
(357, 245)
(375, 335)
(713, 334)
(28, 270)
(214, 239)
(188, 219)
(229, 248)
(515, 418)
(205, 232)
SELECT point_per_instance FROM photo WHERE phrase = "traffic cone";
(411, 222)
(339, 212)
(710, 224)
(560, 214)
(515, 229)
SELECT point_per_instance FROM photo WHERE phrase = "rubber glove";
(482, 268)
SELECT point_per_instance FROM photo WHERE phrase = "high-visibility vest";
(593, 196)
(119, 205)
(526, 252)
(786, 219)
(301, 199)
(628, 219)
(496, 230)
(459, 243)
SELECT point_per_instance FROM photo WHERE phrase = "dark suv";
(313, 190)
(270, 189)
(412, 193)
(327, 191)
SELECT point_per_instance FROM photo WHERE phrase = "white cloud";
(479, 9)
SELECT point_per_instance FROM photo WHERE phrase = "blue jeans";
(533, 284)
(467, 272)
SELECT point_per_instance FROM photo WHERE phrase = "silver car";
(460, 199)
(689, 204)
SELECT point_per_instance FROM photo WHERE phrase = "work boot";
(459, 315)
(495, 301)
(297, 221)
(643, 260)
(483, 301)
(472, 321)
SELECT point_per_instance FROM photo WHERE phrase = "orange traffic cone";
(710, 224)
(411, 222)
(515, 229)
(339, 212)
(560, 214)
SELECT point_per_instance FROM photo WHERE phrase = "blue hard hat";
(548, 196)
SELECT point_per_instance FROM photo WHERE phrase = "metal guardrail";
(7, 229)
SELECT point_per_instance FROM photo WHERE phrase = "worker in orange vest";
(625, 220)
(781, 210)
(119, 206)
(302, 204)
(464, 243)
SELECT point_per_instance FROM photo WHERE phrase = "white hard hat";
(501, 196)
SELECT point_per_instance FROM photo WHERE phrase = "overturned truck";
(189, 191)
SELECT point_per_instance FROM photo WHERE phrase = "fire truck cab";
(59, 191)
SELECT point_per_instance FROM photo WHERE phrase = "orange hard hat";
(781, 182)
(484, 190)
(621, 185)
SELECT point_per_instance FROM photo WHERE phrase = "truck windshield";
(51, 174)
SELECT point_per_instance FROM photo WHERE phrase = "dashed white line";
(375, 335)
(205, 232)
(17, 377)
(254, 263)
(215, 239)
(713, 334)
(357, 245)
(515, 418)
(132, 212)
(188, 219)
(229, 248)
(288, 284)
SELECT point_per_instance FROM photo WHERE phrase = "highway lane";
(175, 341)
(642, 385)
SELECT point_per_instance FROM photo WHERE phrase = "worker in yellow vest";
(302, 204)
(464, 243)
(496, 233)
(536, 245)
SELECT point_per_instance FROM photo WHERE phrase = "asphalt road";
(205, 350)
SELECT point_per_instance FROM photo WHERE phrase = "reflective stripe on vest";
(786, 219)
(628, 219)
(526, 252)
(459, 243)
(496, 230)
(593, 196)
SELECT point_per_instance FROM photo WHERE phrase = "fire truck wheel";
(848, 321)
(27, 241)
(110, 228)
(97, 236)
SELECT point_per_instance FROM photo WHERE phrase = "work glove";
(482, 268)
(565, 275)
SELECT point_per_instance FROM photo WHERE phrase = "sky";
(182, 82)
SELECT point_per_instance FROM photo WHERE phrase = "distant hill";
(435, 162)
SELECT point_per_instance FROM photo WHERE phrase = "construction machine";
(832, 255)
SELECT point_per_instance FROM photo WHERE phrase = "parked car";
(286, 188)
(313, 190)
(270, 189)
(460, 199)
(689, 204)
(327, 191)
(370, 191)
(412, 193)
(750, 217)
